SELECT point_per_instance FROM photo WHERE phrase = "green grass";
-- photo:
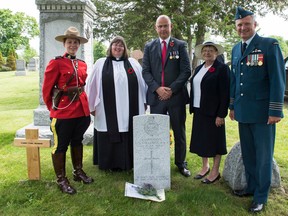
(18, 196)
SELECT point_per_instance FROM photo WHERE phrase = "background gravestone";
(33, 64)
(55, 17)
(20, 67)
(152, 150)
(138, 55)
(234, 171)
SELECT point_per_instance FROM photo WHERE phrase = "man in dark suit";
(256, 102)
(166, 78)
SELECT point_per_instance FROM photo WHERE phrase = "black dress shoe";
(207, 181)
(256, 207)
(199, 176)
(241, 193)
(184, 171)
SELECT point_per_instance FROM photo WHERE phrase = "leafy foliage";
(191, 19)
(11, 60)
(282, 44)
(99, 50)
(1, 60)
(16, 30)
(29, 53)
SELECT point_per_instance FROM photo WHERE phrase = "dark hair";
(117, 40)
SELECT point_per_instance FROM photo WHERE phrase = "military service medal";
(177, 55)
(260, 59)
(248, 60)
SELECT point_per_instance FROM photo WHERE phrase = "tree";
(1, 60)
(282, 44)
(99, 50)
(29, 53)
(192, 19)
(16, 30)
(11, 60)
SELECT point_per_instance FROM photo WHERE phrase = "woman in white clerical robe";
(116, 92)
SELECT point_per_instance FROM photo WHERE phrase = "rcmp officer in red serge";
(256, 102)
(71, 117)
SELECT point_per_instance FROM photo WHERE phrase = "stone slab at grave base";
(21, 73)
(234, 171)
(44, 132)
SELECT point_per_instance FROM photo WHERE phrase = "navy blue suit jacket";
(177, 70)
(214, 86)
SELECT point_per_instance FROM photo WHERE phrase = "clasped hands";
(164, 93)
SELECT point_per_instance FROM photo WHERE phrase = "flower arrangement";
(211, 69)
(147, 190)
(130, 70)
(171, 137)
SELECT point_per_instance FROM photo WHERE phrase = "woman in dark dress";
(209, 104)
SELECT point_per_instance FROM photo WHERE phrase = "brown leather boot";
(77, 158)
(59, 160)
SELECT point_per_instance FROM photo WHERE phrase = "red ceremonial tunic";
(58, 72)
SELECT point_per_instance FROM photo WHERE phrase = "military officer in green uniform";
(256, 103)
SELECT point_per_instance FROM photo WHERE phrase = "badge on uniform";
(255, 59)
(174, 55)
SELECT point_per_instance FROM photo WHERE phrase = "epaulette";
(275, 43)
(58, 57)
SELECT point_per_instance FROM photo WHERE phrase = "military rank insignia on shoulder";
(58, 57)
(275, 43)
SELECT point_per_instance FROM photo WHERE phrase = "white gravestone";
(33, 64)
(20, 67)
(152, 150)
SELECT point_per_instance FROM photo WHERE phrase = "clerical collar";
(67, 55)
(117, 59)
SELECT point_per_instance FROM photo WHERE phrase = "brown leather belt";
(79, 90)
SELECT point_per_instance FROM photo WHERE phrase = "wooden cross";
(32, 144)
